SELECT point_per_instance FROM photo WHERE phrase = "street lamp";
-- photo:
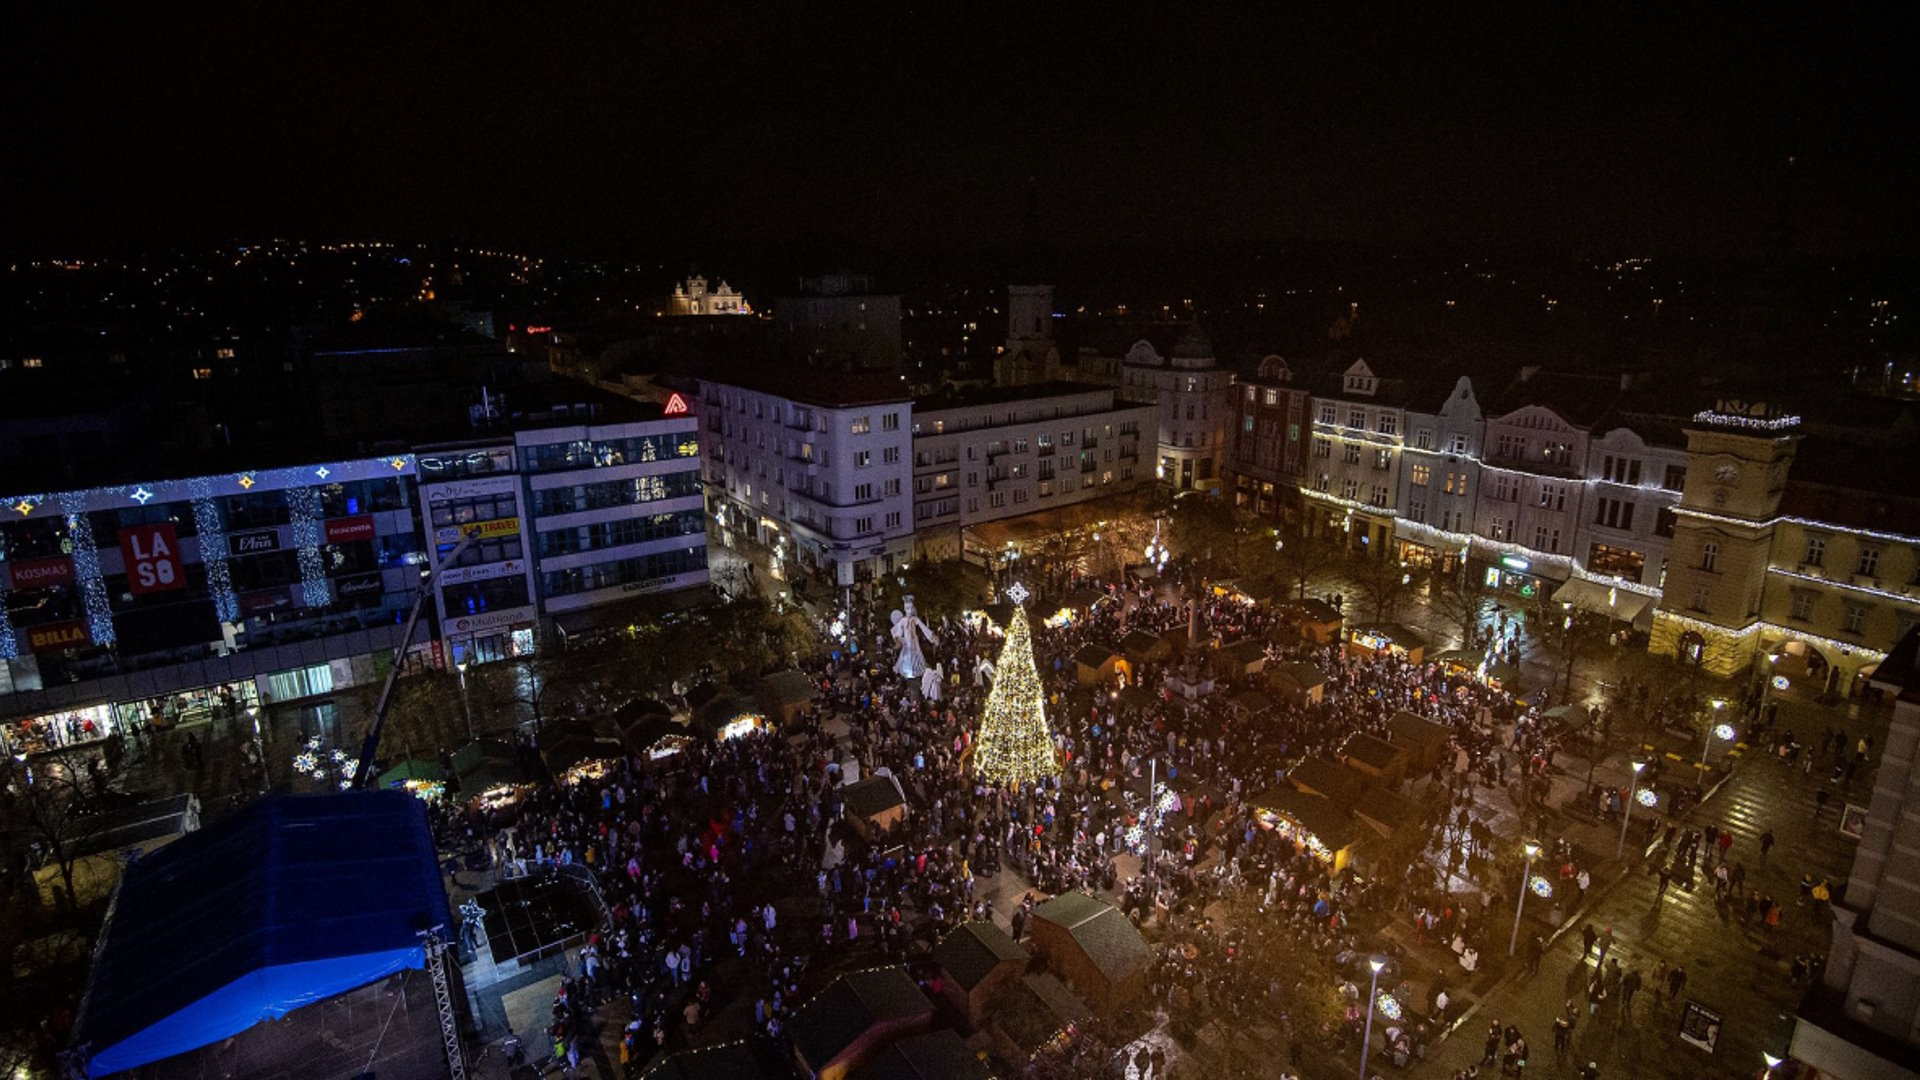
(466, 707)
(1373, 991)
(1532, 849)
(1626, 808)
(1715, 729)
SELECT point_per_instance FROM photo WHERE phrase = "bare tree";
(1383, 584)
(1309, 555)
(49, 804)
(1462, 598)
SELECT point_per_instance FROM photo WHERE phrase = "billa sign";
(36, 573)
(253, 543)
(348, 529)
(60, 635)
(152, 554)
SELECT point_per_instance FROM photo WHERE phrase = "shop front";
(185, 708)
(1519, 576)
(79, 726)
(492, 635)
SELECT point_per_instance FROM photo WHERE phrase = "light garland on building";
(303, 506)
(1905, 598)
(213, 549)
(1014, 745)
(1525, 552)
(1777, 423)
(86, 568)
(1354, 505)
(1846, 648)
(1807, 523)
(9, 645)
(1613, 582)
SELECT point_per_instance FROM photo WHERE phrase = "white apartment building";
(1352, 480)
(813, 465)
(1173, 365)
(1005, 452)
(1439, 479)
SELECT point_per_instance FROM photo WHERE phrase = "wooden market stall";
(785, 694)
(1145, 647)
(976, 959)
(1297, 682)
(1323, 827)
(874, 806)
(1094, 947)
(1373, 639)
(489, 771)
(1424, 741)
(1100, 665)
(1316, 620)
(1240, 659)
(576, 750)
(1375, 757)
(858, 1013)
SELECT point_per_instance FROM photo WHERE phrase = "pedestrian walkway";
(1741, 972)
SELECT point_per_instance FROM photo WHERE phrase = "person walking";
(1587, 935)
(1766, 844)
(1666, 877)
(1676, 982)
(1562, 1036)
(1629, 986)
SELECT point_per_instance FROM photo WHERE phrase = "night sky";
(951, 126)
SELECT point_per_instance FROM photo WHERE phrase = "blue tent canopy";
(289, 902)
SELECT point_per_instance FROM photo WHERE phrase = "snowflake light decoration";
(1018, 593)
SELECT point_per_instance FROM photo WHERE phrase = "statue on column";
(908, 630)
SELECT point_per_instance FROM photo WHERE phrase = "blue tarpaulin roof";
(289, 902)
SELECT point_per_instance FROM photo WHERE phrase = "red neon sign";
(676, 406)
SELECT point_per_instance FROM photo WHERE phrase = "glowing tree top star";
(1014, 744)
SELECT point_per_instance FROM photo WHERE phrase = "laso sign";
(152, 554)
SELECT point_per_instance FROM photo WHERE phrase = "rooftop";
(823, 387)
(996, 395)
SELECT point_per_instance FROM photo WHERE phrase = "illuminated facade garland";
(9, 645)
(303, 505)
(1778, 423)
(1354, 505)
(213, 549)
(1015, 745)
(86, 568)
(1808, 523)
(1701, 626)
(1885, 594)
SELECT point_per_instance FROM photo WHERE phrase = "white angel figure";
(907, 630)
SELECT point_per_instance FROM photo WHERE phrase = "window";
(890, 422)
(862, 425)
(1350, 489)
(1675, 479)
(1327, 415)
(1020, 446)
(1351, 453)
(1540, 538)
(1457, 444)
(1510, 446)
(1802, 605)
(890, 455)
(1247, 424)
(1321, 482)
(1816, 551)
(1422, 474)
(862, 459)
(1709, 555)
(1856, 619)
(1456, 483)
(1416, 508)
(973, 479)
(1383, 459)
(1389, 424)
(1322, 448)
(1379, 496)
(1620, 470)
(1357, 419)
(1423, 439)
(1273, 397)
(1617, 562)
(862, 492)
(1663, 521)
(1553, 496)
(1613, 513)
(863, 525)
(1698, 602)
(1869, 562)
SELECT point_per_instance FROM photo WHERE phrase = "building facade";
(1029, 356)
(1359, 430)
(1270, 442)
(838, 320)
(814, 466)
(1174, 367)
(1439, 480)
(693, 297)
(1005, 453)
(159, 602)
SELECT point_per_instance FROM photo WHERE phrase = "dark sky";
(939, 125)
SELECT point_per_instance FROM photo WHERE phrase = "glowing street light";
(1373, 991)
(1717, 730)
(1532, 849)
(1626, 808)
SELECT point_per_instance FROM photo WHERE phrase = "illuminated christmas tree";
(1014, 743)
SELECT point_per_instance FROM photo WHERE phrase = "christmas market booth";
(1297, 682)
(1095, 948)
(1424, 741)
(1099, 665)
(935, 1055)
(1036, 1012)
(1076, 606)
(1473, 663)
(726, 716)
(976, 960)
(1322, 827)
(1249, 703)
(305, 955)
(649, 731)
(846, 1025)
(1374, 757)
(1388, 639)
(1146, 647)
(488, 771)
(784, 695)
(754, 1058)
(1240, 659)
(576, 750)
(1249, 591)
(1316, 620)
(874, 806)
(417, 776)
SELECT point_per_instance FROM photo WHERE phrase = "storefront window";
(57, 731)
(298, 683)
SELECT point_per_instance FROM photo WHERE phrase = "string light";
(86, 568)
(1014, 744)
(303, 505)
(213, 549)
(9, 645)
(1778, 423)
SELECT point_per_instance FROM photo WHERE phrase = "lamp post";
(466, 707)
(1526, 878)
(1626, 808)
(1373, 991)
(1724, 731)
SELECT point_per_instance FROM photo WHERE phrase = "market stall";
(423, 778)
(1316, 621)
(1099, 665)
(576, 750)
(1240, 659)
(1323, 828)
(1297, 682)
(488, 772)
(1388, 639)
(1424, 741)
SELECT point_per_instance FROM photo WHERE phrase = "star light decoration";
(141, 495)
(323, 472)
(1541, 887)
(1647, 797)
(1017, 593)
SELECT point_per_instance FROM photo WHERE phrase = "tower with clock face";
(1722, 536)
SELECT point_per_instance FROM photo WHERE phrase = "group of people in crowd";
(729, 872)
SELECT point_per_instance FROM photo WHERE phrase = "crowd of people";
(729, 873)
